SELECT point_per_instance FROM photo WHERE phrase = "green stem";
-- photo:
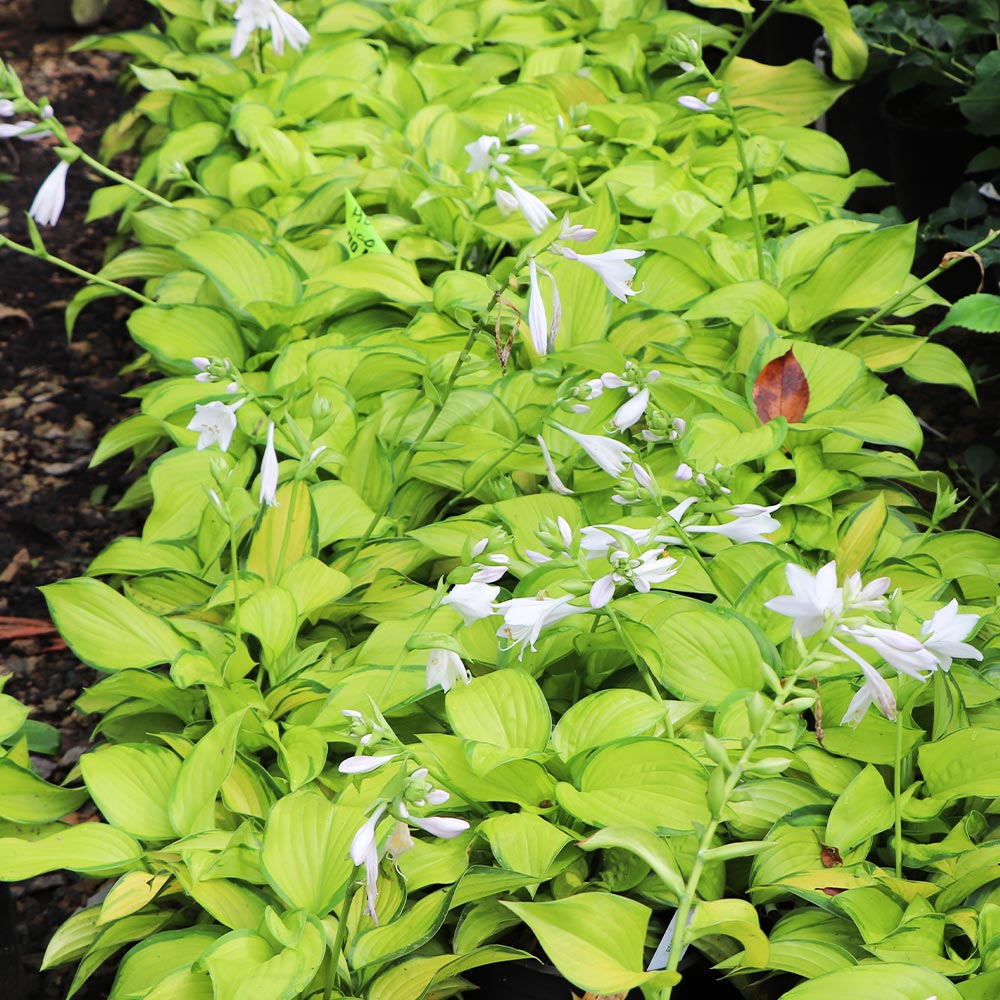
(897, 793)
(288, 526)
(748, 183)
(437, 406)
(903, 294)
(333, 969)
(686, 902)
(750, 28)
(634, 653)
(234, 568)
(73, 269)
(118, 178)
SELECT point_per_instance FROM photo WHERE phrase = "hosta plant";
(535, 562)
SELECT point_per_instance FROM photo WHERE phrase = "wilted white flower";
(537, 213)
(875, 689)
(697, 104)
(611, 267)
(945, 632)
(555, 483)
(445, 667)
(266, 15)
(812, 598)
(269, 470)
(611, 455)
(752, 523)
(48, 203)
(901, 651)
(525, 617)
(214, 422)
(364, 851)
(472, 600)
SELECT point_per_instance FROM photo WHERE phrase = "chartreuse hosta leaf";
(863, 809)
(525, 843)
(287, 533)
(176, 334)
(605, 716)
(505, 709)
(12, 716)
(243, 270)
(89, 848)
(306, 849)
(191, 806)
(735, 918)
(608, 962)
(131, 893)
(27, 798)
(889, 981)
(699, 651)
(162, 964)
(132, 786)
(243, 962)
(653, 783)
(107, 630)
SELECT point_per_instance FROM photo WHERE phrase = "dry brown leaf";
(781, 390)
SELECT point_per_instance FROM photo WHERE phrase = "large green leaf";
(605, 716)
(89, 848)
(505, 709)
(399, 937)
(243, 270)
(174, 334)
(699, 651)
(26, 798)
(524, 842)
(655, 784)
(131, 786)
(306, 852)
(863, 808)
(107, 630)
(878, 982)
(191, 807)
(595, 940)
(861, 272)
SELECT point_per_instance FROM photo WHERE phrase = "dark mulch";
(56, 401)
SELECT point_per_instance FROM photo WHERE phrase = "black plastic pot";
(534, 981)
(55, 15)
(930, 149)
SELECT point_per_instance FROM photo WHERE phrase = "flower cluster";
(414, 790)
(846, 613)
(266, 15)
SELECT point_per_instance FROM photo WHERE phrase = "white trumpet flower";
(266, 15)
